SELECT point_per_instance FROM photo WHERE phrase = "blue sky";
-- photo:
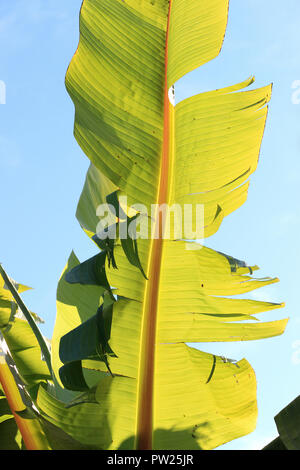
(43, 170)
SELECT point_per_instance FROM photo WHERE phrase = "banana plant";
(126, 318)
(159, 392)
(20, 352)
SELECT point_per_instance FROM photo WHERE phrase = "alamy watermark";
(296, 93)
(171, 222)
(2, 92)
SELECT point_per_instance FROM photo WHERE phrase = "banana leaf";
(155, 391)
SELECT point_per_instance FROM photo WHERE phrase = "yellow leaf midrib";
(145, 397)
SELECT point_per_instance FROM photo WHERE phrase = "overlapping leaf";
(21, 340)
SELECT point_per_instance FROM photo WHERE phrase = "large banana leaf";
(148, 388)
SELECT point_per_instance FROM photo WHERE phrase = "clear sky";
(42, 171)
